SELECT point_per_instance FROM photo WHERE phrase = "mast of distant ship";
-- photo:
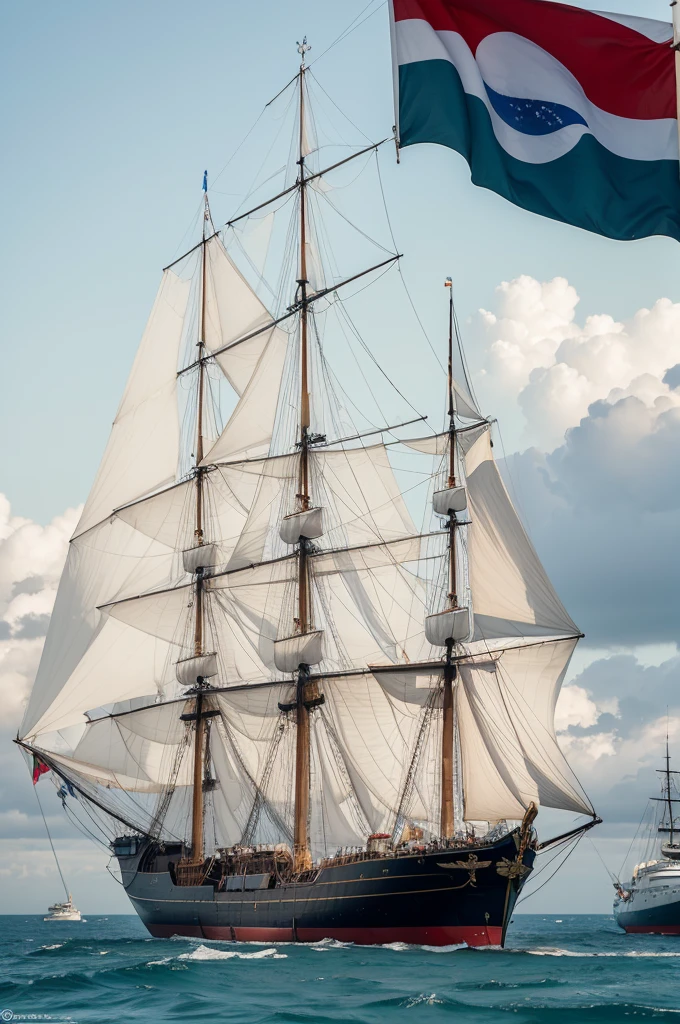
(668, 792)
(199, 734)
(447, 818)
(302, 852)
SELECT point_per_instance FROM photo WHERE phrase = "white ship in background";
(650, 901)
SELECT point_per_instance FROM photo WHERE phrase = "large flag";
(568, 113)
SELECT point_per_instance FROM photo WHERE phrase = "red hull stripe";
(652, 929)
(438, 935)
(620, 70)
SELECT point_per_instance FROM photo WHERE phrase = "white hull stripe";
(516, 70)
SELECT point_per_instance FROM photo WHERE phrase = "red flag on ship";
(39, 768)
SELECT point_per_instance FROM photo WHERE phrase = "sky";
(113, 114)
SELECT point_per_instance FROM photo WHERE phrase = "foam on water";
(325, 945)
(548, 951)
(445, 949)
(428, 1000)
(208, 953)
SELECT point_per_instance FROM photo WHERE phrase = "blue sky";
(112, 114)
(114, 111)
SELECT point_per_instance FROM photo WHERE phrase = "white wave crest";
(324, 945)
(428, 1000)
(550, 951)
(446, 949)
(207, 953)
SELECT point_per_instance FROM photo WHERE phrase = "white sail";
(249, 430)
(108, 561)
(359, 488)
(510, 754)
(307, 524)
(511, 595)
(143, 449)
(233, 311)
(511, 592)
(373, 590)
(134, 751)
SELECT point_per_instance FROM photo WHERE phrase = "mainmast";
(197, 850)
(302, 853)
(447, 818)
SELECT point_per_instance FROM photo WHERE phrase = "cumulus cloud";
(612, 722)
(599, 487)
(576, 707)
(603, 511)
(539, 357)
(31, 560)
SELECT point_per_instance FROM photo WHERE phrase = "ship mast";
(668, 792)
(302, 853)
(447, 781)
(199, 735)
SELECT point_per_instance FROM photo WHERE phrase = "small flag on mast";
(205, 181)
(66, 789)
(39, 768)
(448, 283)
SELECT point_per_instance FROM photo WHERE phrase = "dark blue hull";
(656, 920)
(435, 897)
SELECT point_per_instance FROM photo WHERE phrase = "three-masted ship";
(293, 713)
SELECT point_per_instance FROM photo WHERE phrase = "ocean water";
(557, 970)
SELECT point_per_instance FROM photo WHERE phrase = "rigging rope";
(611, 874)
(637, 832)
(54, 852)
(574, 844)
(343, 35)
(401, 273)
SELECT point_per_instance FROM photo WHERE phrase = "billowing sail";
(511, 592)
(228, 579)
(143, 450)
(138, 518)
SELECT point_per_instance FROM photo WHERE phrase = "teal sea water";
(568, 970)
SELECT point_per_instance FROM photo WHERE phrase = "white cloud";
(575, 706)
(31, 560)
(539, 358)
(584, 751)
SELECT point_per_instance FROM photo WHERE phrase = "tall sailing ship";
(291, 713)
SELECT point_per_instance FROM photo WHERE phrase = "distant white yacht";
(63, 911)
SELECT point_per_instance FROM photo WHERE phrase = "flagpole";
(676, 46)
(395, 75)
